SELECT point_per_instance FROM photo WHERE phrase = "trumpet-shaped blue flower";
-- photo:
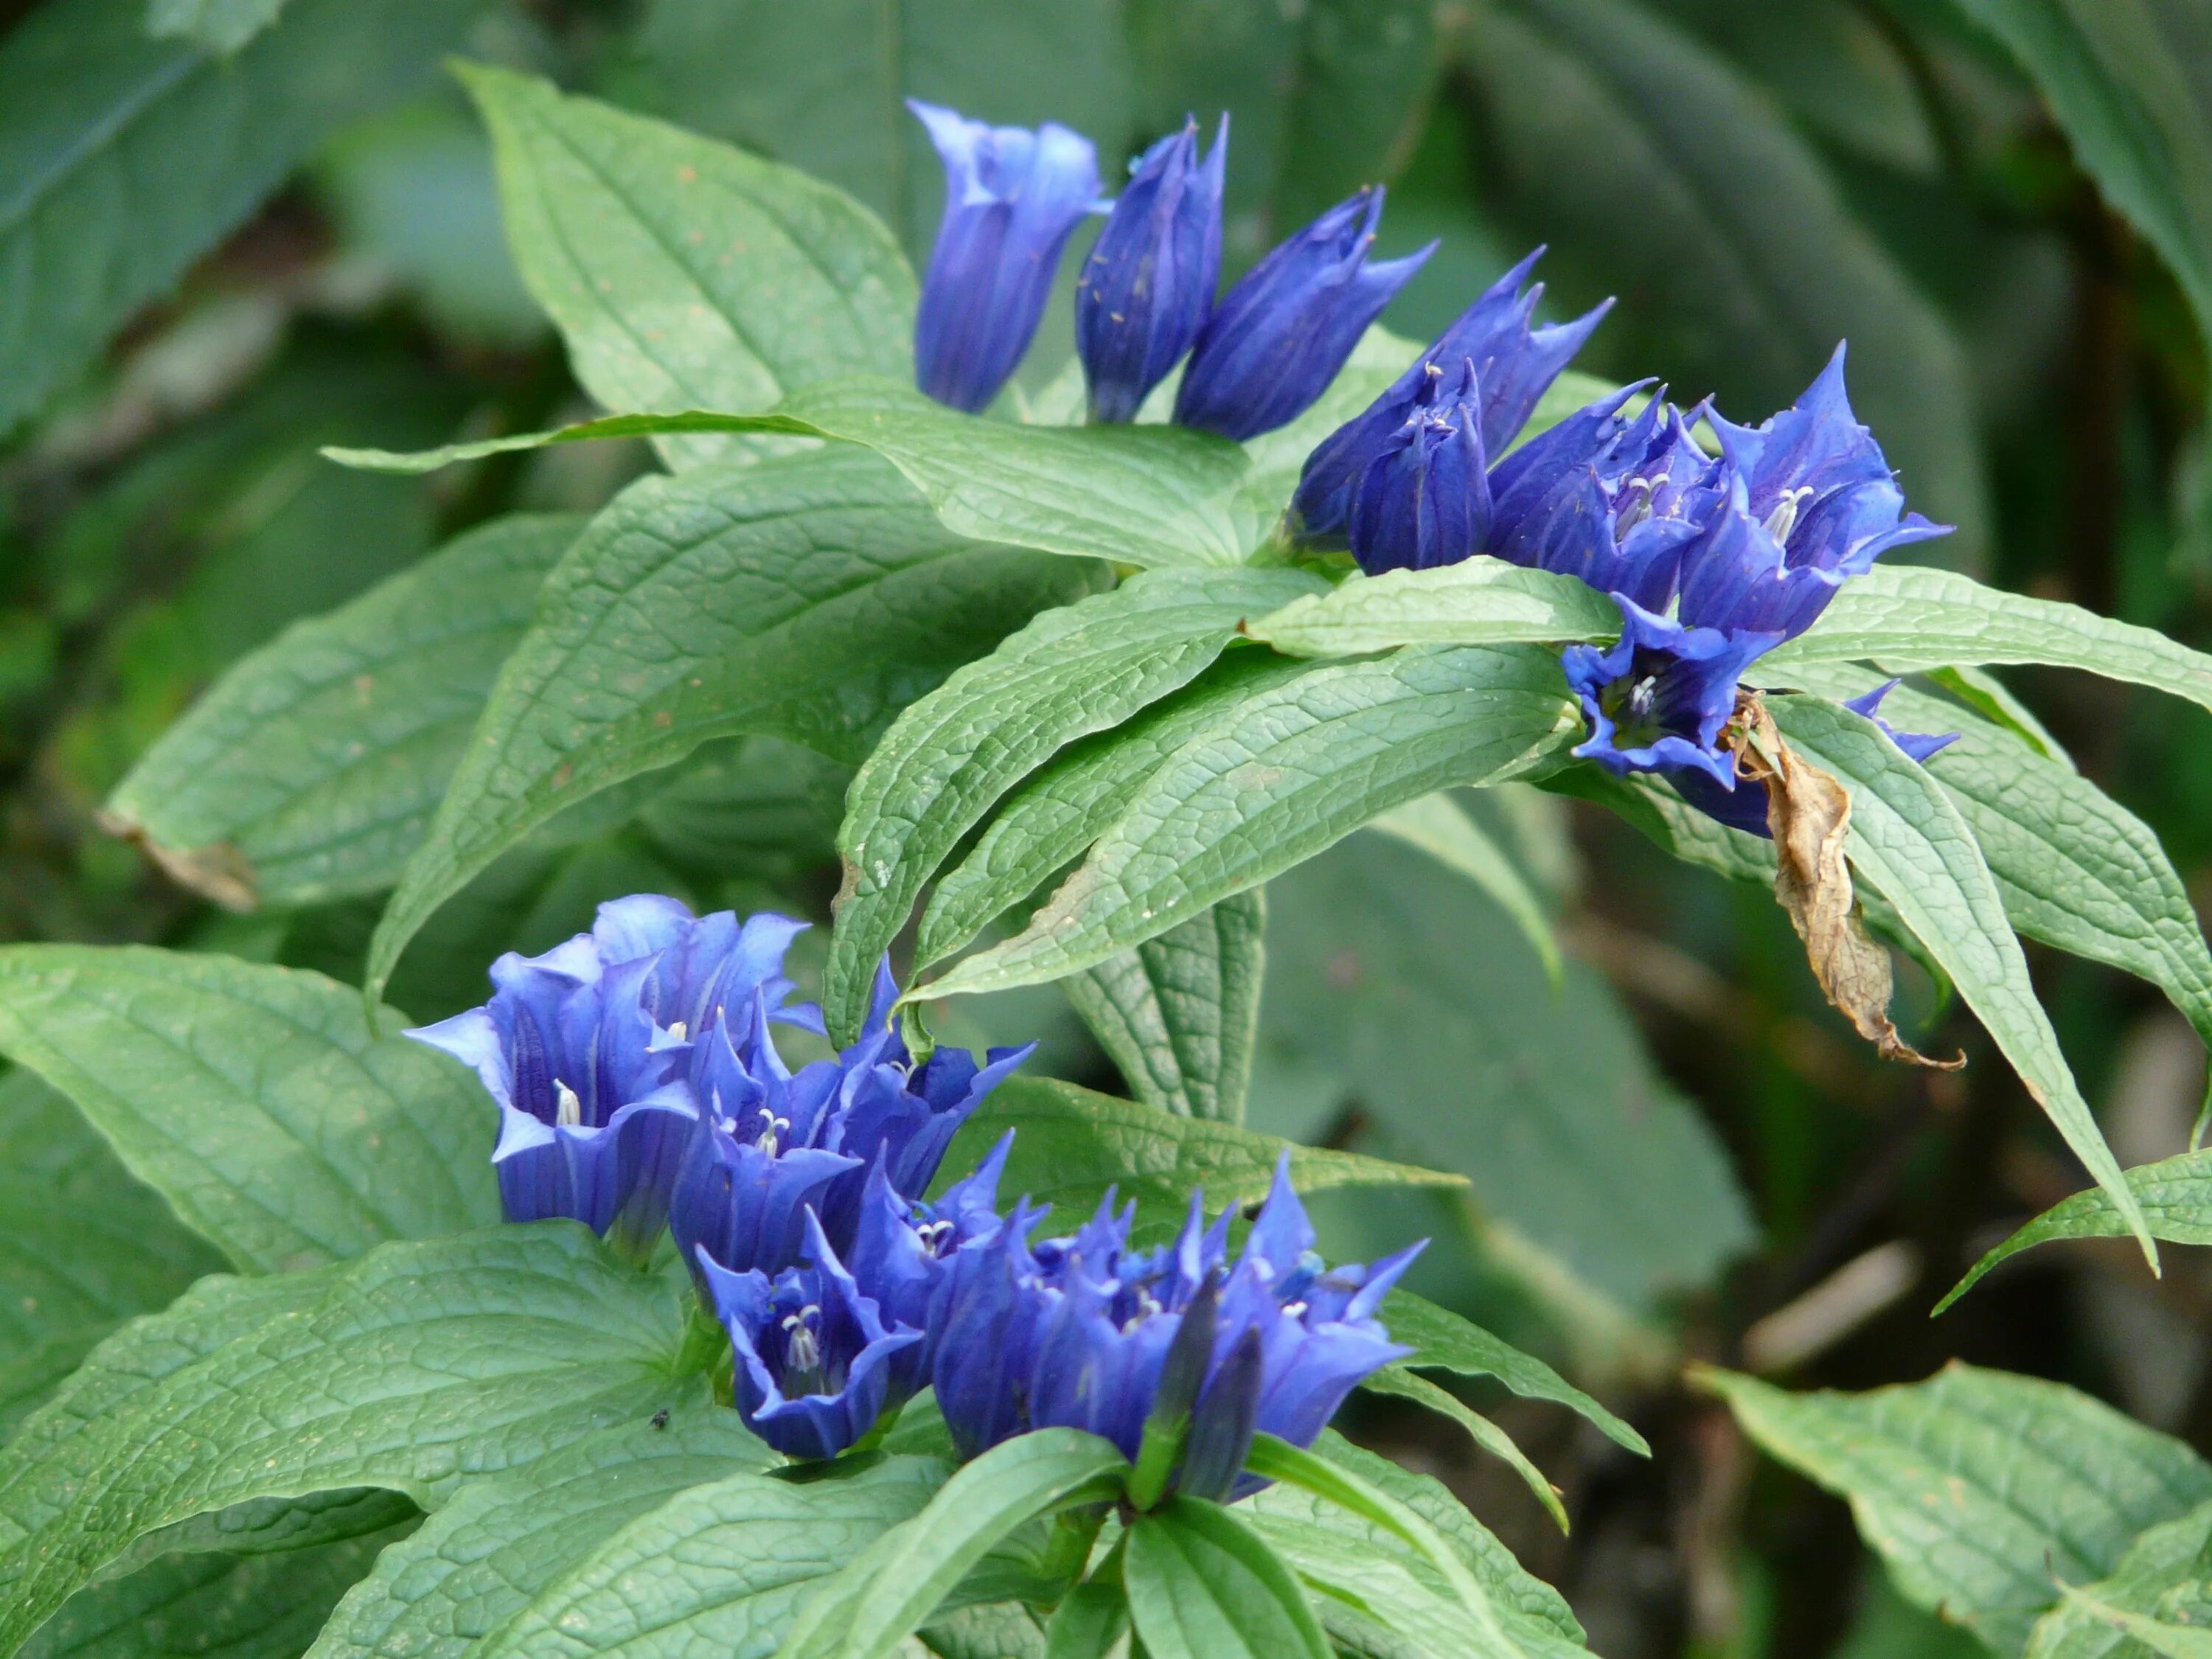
(1424, 499)
(1513, 364)
(1013, 198)
(1657, 701)
(1810, 502)
(1917, 746)
(586, 1050)
(773, 1145)
(815, 1363)
(1148, 284)
(1607, 498)
(1078, 1332)
(1278, 337)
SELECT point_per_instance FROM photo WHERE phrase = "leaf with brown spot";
(1810, 814)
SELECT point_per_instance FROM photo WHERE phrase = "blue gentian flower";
(1810, 503)
(1607, 498)
(1148, 285)
(585, 1049)
(1513, 365)
(773, 1145)
(814, 1364)
(1013, 198)
(1917, 746)
(1658, 699)
(1078, 1333)
(1278, 337)
(1424, 499)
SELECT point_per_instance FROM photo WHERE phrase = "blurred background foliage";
(234, 230)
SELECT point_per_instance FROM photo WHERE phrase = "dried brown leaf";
(219, 873)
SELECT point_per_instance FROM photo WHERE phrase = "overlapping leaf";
(2174, 1194)
(2156, 1602)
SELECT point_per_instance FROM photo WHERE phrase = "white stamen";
(678, 1030)
(1638, 509)
(1783, 519)
(804, 1353)
(567, 1111)
(1641, 693)
(1296, 1309)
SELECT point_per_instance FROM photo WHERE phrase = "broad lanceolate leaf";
(83, 1246)
(1480, 601)
(261, 1102)
(1906, 617)
(1275, 781)
(683, 273)
(1144, 495)
(1202, 1585)
(477, 1563)
(903, 1577)
(418, 1364)
(1910, 840)
(125, 157)
(1439, 826)
(1050, 821)
(1180, 1013)
(723, 1568)
(1071, 1144)
(1442, 1340)
(2159, 1581)
(1980, 1488)
(808, 596)
(2175, 1196)
(2076, 870)
(2118, 75)
(1085, 668)
(311, 768)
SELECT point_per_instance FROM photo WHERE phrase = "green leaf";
(2160, 1579)
(1276, 780)
(1478, 601)
(1667, 820)
(1393, 985)
(1202, 1585)
(1180, 1013)
(311, 768)
(2076, 870)
(807, 596)
(1439, 826)
(1366, 1579)
(1656, 170)
(83, 1246)
(996, 1630)
(1404, 1384)
(1906, 618)
(1047, 824)
(1979, 1488)
(1089, 1620)
(685, 274)
(193, 1605)
(2116, 73)
(259, 1100)
(1084, 668)
(2175, 1196)
(907, 1571)
(1071, 1144)
(125, 158)
(1989, 697)
(219, 25)
(481, 1559)
(723, 1568)
(418, 1365)
(1442, 1340)
(1909, 839)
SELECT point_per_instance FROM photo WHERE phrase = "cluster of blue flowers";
(1714, 559)
(638, 1088)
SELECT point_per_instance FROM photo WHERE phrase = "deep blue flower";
(1917, 746)
(1078, 1333)
(1278, 337)
(1424, 499)
(1658, 699)
(1148, 285)
(1810, 502)
(773, 1143)
(585, 1049)
(1013, 196)
(1513, 365)
(1611, 498)
(815, 1363)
